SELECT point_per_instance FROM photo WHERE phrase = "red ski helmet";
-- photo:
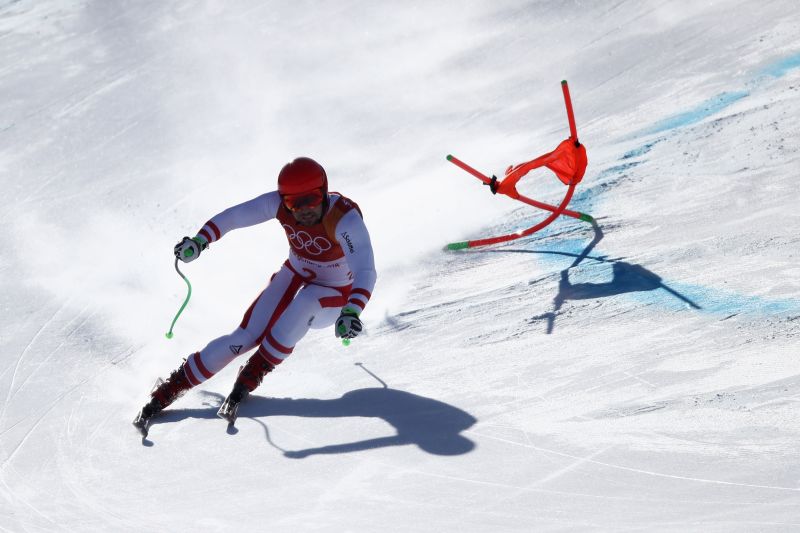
(302, 175)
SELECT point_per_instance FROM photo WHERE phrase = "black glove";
(189, 249)
(348, 325)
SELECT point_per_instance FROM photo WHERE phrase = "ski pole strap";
(185, 302)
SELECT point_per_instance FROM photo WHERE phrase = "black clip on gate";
(492, 184)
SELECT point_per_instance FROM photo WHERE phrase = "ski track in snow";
(640, 471)
(21, 356)
(8, 460)
(40, 365)
(55, 402)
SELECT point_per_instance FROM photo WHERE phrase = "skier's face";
(306, 207)
(308, 216)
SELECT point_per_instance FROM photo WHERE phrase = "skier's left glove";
(348, 324)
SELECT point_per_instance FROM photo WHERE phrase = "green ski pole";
(342, 329)
(186, 301)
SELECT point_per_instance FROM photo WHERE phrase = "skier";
(327, 279)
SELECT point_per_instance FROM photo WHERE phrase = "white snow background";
(638, 375)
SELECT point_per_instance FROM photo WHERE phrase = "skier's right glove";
(348, 324)
(189, 249)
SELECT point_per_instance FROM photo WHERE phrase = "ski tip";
(586, 218)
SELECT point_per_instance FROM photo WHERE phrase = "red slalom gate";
(567, 161)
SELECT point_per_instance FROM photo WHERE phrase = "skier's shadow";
(626, 278)
(431, 425)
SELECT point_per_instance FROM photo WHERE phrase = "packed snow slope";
(637, 374)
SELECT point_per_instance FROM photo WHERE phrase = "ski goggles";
(310, 200)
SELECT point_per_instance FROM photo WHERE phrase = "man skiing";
(327, 279)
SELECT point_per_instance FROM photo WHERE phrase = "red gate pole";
(573, 131)
(530, 201)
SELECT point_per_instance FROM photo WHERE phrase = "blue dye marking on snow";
(636, 152)
(583, 200)
(782, 67)
(618, 169)
(716, 104)
(585, 197)
(720, 302)
(611, 277)
(710, 107)
(569, 246)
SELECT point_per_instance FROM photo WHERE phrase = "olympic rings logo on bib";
(302, 240)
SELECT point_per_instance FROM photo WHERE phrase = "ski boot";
(229, 409)
(162, 395)
(250, 377)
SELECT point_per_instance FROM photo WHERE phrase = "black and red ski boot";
(163, 394)
(229, 409)
(250, 377)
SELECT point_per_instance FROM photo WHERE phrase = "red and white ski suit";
(330, 266)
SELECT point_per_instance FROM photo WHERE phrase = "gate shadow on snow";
(431, 425)
(627, 278)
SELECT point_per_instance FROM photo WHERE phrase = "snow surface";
(636, 375)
